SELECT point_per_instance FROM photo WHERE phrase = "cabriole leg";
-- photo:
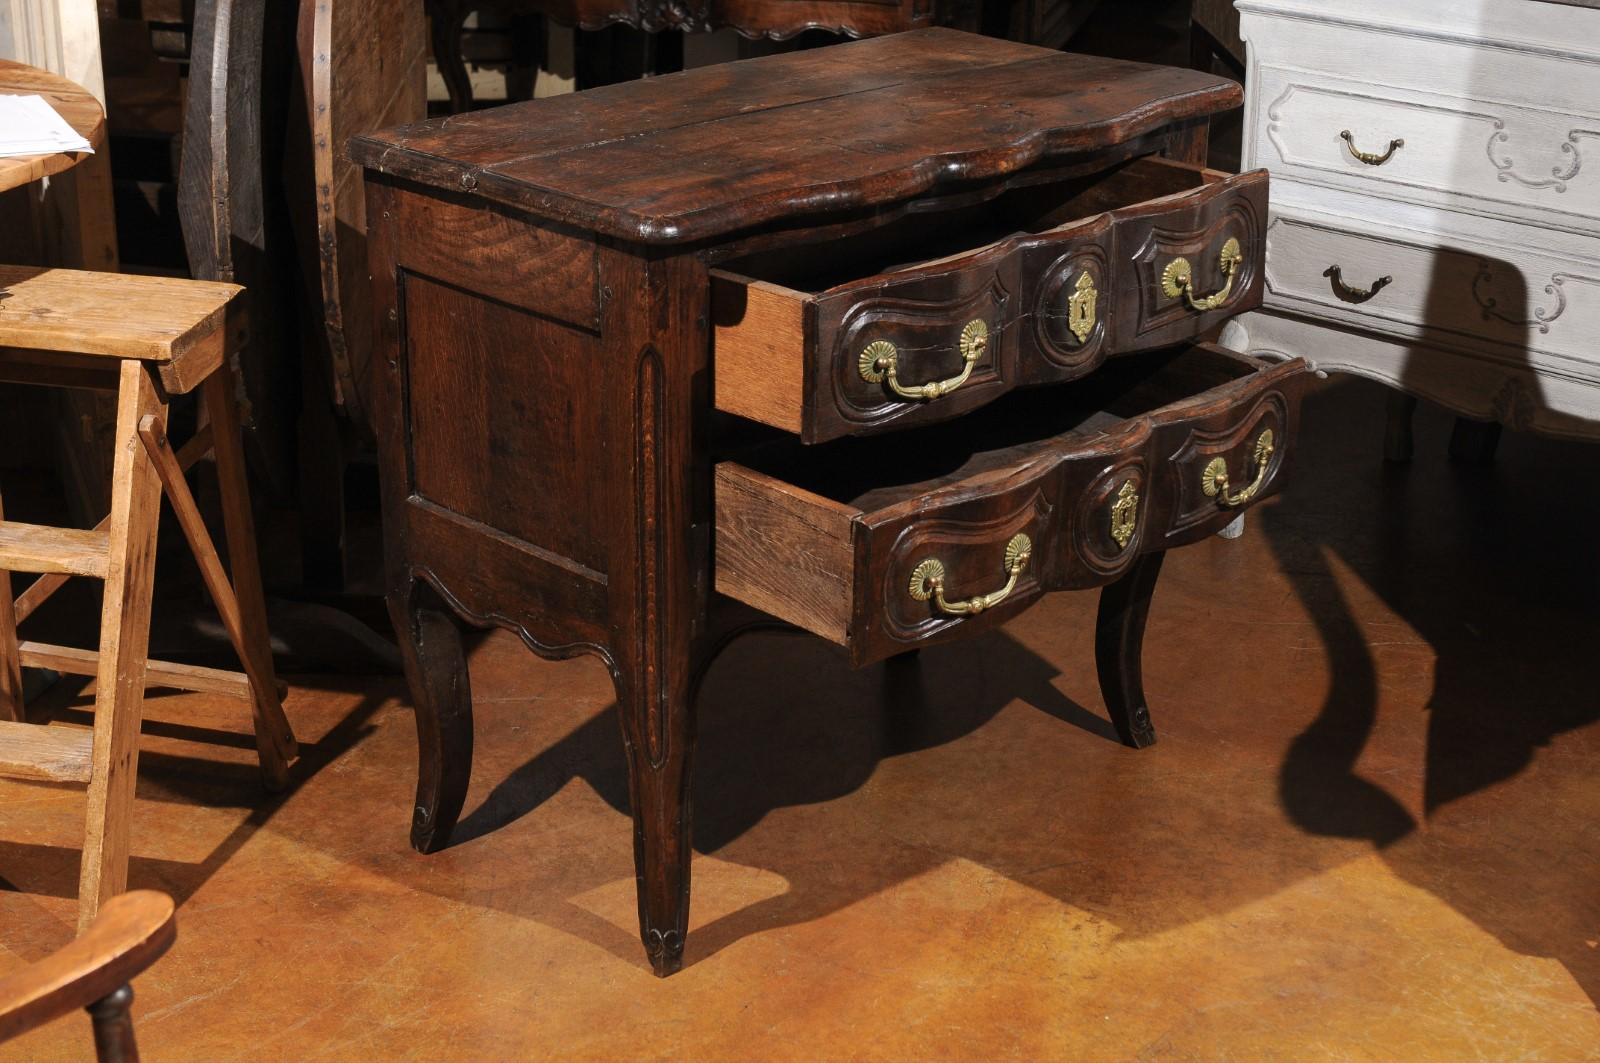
(1118, 647)
(436, 673)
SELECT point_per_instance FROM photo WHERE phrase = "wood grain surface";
(48, 754)
(117, 315)
(710, 151)
(74, 103)
(132, 932)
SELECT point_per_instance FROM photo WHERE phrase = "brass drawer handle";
(1214, 480)
(1178, 278)
(1350, 294)
(879, 362)
(927, 581)
(1371, 158)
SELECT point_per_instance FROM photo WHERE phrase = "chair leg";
(11, 707)
(124, 643)
(112, 1021)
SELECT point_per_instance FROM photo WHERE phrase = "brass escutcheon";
(1081, 306)
(1125, 514)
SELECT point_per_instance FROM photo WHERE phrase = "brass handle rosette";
(1214, 479)
(1178, 278)
(927, 581)
(879, 363)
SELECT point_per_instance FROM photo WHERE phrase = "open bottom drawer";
(881, 545)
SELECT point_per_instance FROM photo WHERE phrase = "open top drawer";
(884, 544)
(939, 313)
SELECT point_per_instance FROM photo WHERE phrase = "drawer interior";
(871, 473)
(920, 238)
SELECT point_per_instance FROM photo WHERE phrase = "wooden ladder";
(147, 338)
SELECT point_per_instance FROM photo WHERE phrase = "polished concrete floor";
(1370, 829)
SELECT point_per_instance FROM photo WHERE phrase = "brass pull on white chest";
(1371, 158)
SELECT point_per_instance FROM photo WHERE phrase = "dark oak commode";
(883, 340)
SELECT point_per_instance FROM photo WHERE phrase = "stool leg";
(124, 642)
(239, 525)
(240, 603)
(11, 707)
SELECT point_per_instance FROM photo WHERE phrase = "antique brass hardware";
(1350, 294)
(1125, 514)
(927, 581)
(1214, 480)
(880, 360)
(1081, 306)
(1178, 278)
(1371, 158)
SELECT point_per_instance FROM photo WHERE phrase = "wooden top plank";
(40, 548)
(707, 152)
(119, 315)
(74, 103)
(46, 754)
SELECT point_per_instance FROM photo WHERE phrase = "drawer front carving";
(1053, 306)
(1189, 269)
(1487, 156)
(983, 535)
(921, 341)
(1223, 463)
(1503, 301)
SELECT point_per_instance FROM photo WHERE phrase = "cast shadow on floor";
(1494, 568)
(184, 780)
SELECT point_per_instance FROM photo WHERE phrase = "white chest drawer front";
(1515, 304)
(1492, 158)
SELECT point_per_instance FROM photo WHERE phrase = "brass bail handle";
(1349, 293)
(927, 581)
(1371, 158)
(1178, 278)
(879, 362)
(1214, 480)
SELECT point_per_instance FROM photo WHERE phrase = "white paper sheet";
(30, 126)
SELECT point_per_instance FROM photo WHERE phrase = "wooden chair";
(93, 972)
(146, 338)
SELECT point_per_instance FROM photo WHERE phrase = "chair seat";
(111, 315)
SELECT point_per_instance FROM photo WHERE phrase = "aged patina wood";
(546, 347)
(702, 154)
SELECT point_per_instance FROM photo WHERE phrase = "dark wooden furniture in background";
(361, 65)
(93, 972)
(617, 327)
(605, 59)
(232, 215)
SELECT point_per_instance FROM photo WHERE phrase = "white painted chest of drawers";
(1435, 218)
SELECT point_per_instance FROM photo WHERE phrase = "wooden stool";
(147, 338)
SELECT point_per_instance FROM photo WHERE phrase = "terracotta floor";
(1370, 830)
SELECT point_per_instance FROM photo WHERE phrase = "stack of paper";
(30, 126)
